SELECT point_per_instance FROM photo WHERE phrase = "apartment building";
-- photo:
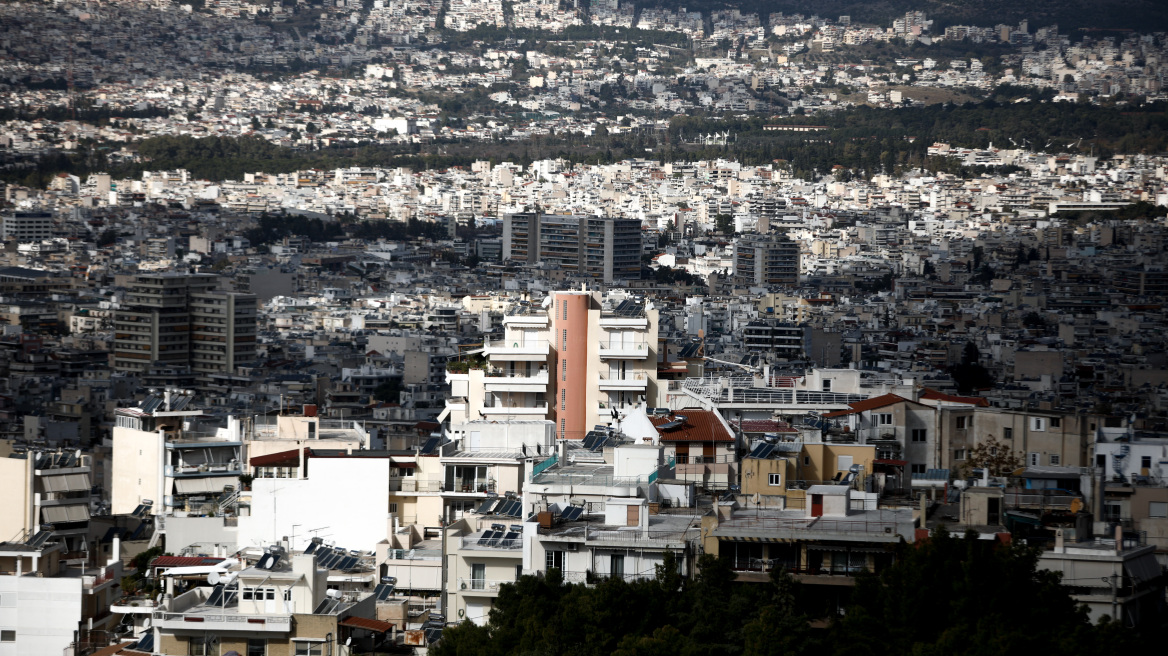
(26, 226)
(766, 260)
(579, 360)
(182, 321)
(49, 603)
(163, 462)
(596, 247)
(282, 604)
(46, 489)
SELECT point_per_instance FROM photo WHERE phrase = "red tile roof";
(367, 624)
(934, 395)
(870, 404)
(184, 561)
(765, 426)
(281, 459)
(700, 426)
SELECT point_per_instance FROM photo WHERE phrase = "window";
(565, 340)
(565, 310)
(257, 647)
(884, 418)
(919, 434)
(393, 508)
(806, 461)
(918, 469)
(563, 399)
(564, 429)
(827, 385)
(564, 371)
(554, 560)
(1038, 423)
(1055, 459)
(1056, 422)
(247, 594)
(1007, 433)
(7, 636)
(1145, 462)
(203, 646)
(959, 454)
(518, 571)
(303, 648)
(1158, 509)
(961, 423)
(774, 479)
(1032, 460)
(478, 576)
(616, 567)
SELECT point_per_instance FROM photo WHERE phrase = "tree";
(970, 375)
(724, 223)
(999, 458)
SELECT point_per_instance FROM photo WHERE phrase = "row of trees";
(948, 595)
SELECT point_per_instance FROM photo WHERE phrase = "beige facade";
(477, 571)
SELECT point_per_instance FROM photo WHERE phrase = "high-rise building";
(766, 260)
(580, 360)
(182, 321)
(598, 247)
(27, 226)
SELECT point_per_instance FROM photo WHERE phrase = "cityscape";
(452, 327)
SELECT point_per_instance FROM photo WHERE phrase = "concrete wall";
(44, 612)
(15, 512)
(182, 532)
(137, 469)
(347, 496)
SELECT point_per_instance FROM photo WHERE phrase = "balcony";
(196, 620)
(494, 412)
(481, 586)
(502, 381)
(629, 382)
(517, 350)
(628, 350)
(472, 543)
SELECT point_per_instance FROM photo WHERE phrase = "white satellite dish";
(547, 300)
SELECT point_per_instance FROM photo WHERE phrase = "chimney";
(115, 550)
(1118, 539)
(1059, 544)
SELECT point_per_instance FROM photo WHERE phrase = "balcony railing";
(481, 585)
(504, 348)
(473, 543)
(225, 621)
(635, 380)
(635, 349)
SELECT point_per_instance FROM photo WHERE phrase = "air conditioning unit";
(493, 585)
(572, 546)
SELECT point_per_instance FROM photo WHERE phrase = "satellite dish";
(213, 578)
(547, 300)
(348, 641)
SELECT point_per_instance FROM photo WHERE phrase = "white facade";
(44, 612)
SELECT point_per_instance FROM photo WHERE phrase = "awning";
(66, 483)
(403, 464)
(65, 514)
(366, 623)
(200, 485)
(833, 547)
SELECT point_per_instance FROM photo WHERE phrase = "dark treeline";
(1141, 15)
(955, 596)
(863, 141)
(274, 227)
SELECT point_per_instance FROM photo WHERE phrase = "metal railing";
(565, 478)
(246, 622)
(485, 585)
(541, 467)
(475, 543)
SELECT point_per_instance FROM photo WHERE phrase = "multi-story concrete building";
(182, 321)
(48, 604)
(581, 360)
(159, 463)
(27, 226)
(605, 248)
(766, 260)
(46, 489)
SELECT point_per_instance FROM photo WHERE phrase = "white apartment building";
(579, 359)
